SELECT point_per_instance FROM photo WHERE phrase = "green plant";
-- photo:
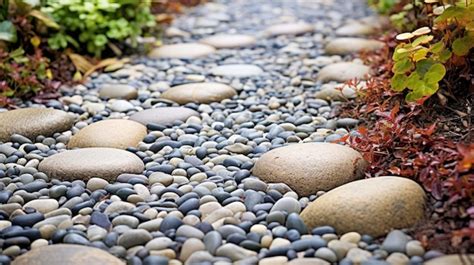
(98, 24)
(420, 63)
(383, 6)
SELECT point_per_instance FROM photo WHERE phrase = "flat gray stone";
(182, 51)
(163, 115)
(83, 164)
(199, 92)
(237, 70)
(342, 72)
(120, 91)
(310, 167)
(355, 29)
(344, 46)
(32, 122)
(294, 28)
(221, 41)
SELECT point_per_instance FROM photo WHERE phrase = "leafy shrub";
(421, 63)
(98, 24)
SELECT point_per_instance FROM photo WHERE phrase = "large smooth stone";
(342, 72)
(199, 92)
(61, 254)
(120, 91)
(182, 51)
(163, 115)
(221, 41)
(310, 167)
(114, 133)
(236, 70)
(344, 46)
(369, 206)
(355, 29)
(295, 28)
(455, 259)
(83, 164)
(32, 122)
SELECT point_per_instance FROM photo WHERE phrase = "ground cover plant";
(418, 113)
(44, 44)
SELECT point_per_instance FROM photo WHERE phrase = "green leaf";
(8, 32)
(437, 47)
(420, 54)
(430, 88)
(413, 96)
(423, 66)
(461, 46)
(445, 55)
(399, 82)
(413, 81)
(402, 66)
(435, 74)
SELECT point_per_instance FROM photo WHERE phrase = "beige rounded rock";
(86, 163)
(342, 72)
(199, 93)
(182, 51)
(310, 167)
(115, 133)
(455, 259)
(344, 46)
(236, 70)
(163, 115)
(221, 41)
(295, 28)
(369, 206)
(42, 205)
(61, 254)
(32, 122)
(120, 91)
(355, 29)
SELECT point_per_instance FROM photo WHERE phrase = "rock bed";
(166, 175)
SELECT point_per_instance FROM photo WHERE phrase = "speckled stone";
(182, 51)
(199, 92)
(83, 164)
(368, 206)
(32, 122)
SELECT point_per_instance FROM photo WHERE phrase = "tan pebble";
(266, 241)
(169, 253)
(279, 242)
(47, 231)
(39, 243)
(273, 261)
(329, 237)
(351, 237)
(259, 229)
(135, 198)
(398, 259)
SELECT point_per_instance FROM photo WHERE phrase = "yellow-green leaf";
(399, 82)
(422, 40)
(402, 66)
(435, 73)
(44, 18)
(420, 54)
(461, 46)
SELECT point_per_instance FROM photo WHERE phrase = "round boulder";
(344, 46)
(86, 163)
(61, 254)
(115, 133)
(369, 206)
(32, 122)
(199, 92)
(182, 51)
(163, 115)
(237, 70)
(222, 41)
(310, 167)
(342, 72)
(295, 28)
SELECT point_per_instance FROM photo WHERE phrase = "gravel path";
(211, 150)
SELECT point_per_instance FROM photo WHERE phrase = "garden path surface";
(145, 165)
